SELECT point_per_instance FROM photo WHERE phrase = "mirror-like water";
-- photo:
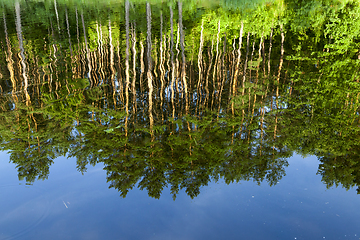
(179, 119)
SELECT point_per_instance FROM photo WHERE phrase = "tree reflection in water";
(186, 97)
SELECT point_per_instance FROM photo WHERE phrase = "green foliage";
(308, 105)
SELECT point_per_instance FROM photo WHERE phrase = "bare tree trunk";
(200, 66)
(112, 68)
(183, 64)
(223, 76)
(127, 67)
(237, 68)
(278, 80)
(57, 16)
(215, 65)
(149, 73)
(22, 51)
(161, 67)
(244, 73)
(133, 87)
(270, 46)
(87, 50)
(10, 62)
(68, 30)
(172, 61)
(211, 58)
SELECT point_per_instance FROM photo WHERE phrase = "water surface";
(179, 120)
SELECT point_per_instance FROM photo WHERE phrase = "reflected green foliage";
(180, 104)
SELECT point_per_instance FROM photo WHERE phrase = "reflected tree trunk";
(112, 68)
(172, 83)
(22, 51)
(87, 50)
(211, 58)
(183, 64)
(270, 46)
(214, 76)
(278, 79)
(9, 60)
(149, 72)
(200, 67)
(162, 68)
(127, 67)
(133, 86)
(68, 31)
(237, 67)
(244, 72)
(57, 16)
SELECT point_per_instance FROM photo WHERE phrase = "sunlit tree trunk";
(162, 68)
(214, 76)
(172, 83)
(250, 77)
(237, 68)
(149, 72)
(232, 71)
(267, 85)
(200, 66)
(142, 65)
(177, 83)
(270, 46)
(119, 76)
(183, 65)
(77, 26)
(76, 70)
(101, 54)
(57, 15)
(112, 68)
(87, 50)
(278, 79)
(127, 67)
(10, 62)
(211, 58)
(223, 67)
(22, 51)
(281, 62)
(68, 31)
(244, 72)
(54, 69)
(133, 86)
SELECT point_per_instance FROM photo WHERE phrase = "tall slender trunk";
(127, 67)
(232, 71)
(133, 86)
(149, 72)
(214, 76)
(278, 79)
(172, 83)
(177, 83)
(244, 72)
(87, 50)
(22, 51)
(237, 68)
(211, 58)
(250, 78)
(270, 46)
(183, 64)
(68, 31)
(161, 67)
(10, 62)
(112, 68)
(200, 66)
(57, 15)
(142, 65)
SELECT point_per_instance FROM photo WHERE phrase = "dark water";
(179, 120)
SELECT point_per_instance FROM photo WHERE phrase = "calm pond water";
(179, 119)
